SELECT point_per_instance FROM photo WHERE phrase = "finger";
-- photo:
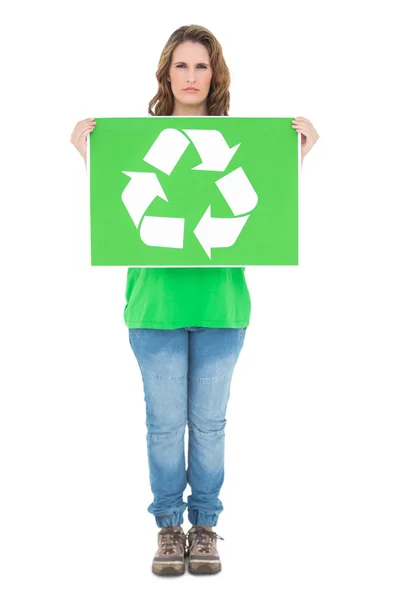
(81, 124)
(76, 136)
(307, 133)
(86, 131)
(86, 123)
(302, 126)
(303, 131)
(306, 129)
(304, 122)
(83, 128)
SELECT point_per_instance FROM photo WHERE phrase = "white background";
(311, 490)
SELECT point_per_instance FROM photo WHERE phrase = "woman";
(186, 328)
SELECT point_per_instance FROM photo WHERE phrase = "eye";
(202, 66)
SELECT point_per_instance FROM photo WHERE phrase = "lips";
(191, 90)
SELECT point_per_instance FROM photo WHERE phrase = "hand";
(308, 132)
(79, 135)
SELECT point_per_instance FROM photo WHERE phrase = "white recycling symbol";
(164, 154)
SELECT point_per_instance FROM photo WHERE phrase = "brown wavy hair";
(218, 98)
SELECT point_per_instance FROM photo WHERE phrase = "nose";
(190, 76)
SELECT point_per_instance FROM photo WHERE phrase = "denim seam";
(209, 379)
(167, 436)
(205, 434)
(155, 376)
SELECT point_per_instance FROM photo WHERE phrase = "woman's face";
(190, 67)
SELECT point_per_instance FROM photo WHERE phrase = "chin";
(192, 99)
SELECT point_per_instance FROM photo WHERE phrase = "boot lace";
(170, 540)
(203, 538)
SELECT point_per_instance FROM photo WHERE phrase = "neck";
(189, 110)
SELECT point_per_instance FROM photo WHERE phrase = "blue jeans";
(186, 375)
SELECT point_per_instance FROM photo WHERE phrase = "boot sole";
(168, 571)
(205, 570)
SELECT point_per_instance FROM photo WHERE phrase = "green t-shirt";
(173, 297)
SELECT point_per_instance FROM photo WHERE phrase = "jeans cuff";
(171, 520)
(198, 517)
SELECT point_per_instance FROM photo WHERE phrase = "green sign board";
(193, 191)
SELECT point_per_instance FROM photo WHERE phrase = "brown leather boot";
(202, 551)
(170, 556)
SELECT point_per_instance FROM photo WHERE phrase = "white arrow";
(213, 232)
(238, 192)
(213, 149)
(140, 193)
(166, 150)
(166, 232)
